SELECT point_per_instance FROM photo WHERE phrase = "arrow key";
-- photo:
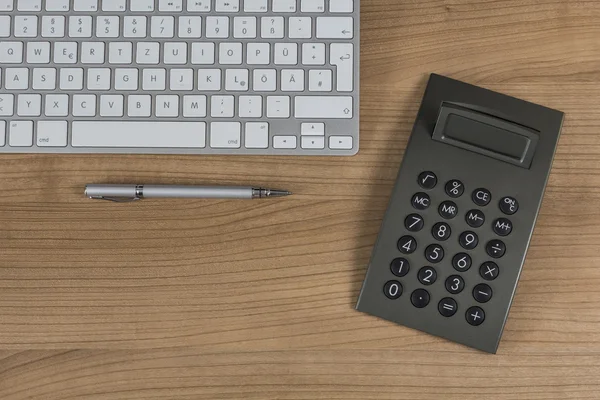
(312, 129)
(313, 142)
(335, 27)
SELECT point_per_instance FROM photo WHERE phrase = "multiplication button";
(489, 270)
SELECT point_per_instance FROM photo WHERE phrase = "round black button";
(475, 218)
(502, 227)
(454, 188)
(468, 240)
(427, 275)
(481, 197)
(441, 231)
(508, 205)
(419, 298)
(400, 266)
(448, 209)
(434, 253)
(414, 222)
(427, 180)
(475, 316)
(482, 293)
(407, 244)
(392, 289)
(461, 262)
(455, 284)
(495, 248)
(447, 307)
(489, 270)
(420, 201)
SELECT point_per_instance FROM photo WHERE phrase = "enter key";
(342, 56)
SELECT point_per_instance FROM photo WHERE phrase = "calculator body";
(490, 156)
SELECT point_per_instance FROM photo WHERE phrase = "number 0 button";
(434, 253)
(392, 289)
(407, 244)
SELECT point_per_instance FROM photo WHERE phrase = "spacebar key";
(138, 134)
(323, 107)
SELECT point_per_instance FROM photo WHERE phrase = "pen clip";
(116, 199)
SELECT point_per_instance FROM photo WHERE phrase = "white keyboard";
(177, 76)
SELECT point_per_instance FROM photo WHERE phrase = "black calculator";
(454, 237)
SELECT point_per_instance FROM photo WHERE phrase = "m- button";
(481, 197)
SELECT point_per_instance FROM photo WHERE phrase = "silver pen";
(125, 193)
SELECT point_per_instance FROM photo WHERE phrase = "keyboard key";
(323, 107)
(236, 80)
(300, 28)
(257, 135)
(167, 106)
(271, 27)
(217, 27)
(29, 105)
(108, 26)
(29, 5)
(278, 107)
(139, 105)
(222, 106)
(134, 27)
(198, 5)
(292, 80)
(43, 79)
(264, 80)
(342, 56)
(6, 105)
(71, 79)
(6, 5)
(203, 53)
(284, 6)
(4, 26)
(66, 52)
(286, 53)
(38, 52)
(113, 5)
(258, 53)
(335, 27)
(255, 5)
(98, 79)
(225, 135)
(53, 26)
(56, 105)
(143, 5)
(312, 129)
(162, 26)
(244, 27)
(230, 53)
(16, 78)
(57, 5)
(120, 52)
(11, 52)
(181, 79)
(126, 79)
(84, 105)
(340, 142)
(147, 53)
(154, 79)
(312, 6)
(51, 133)
(80, 26)
(25, 26)
(85, 5)
(209, 79)
(341, 6)
(21, 134)
(319, 80)
(250, 106)
(284, 142)
(194, 106)
(170, 5)
(92, 53)
(227, 5)
(313, 142)
(175, 53)
(138, 134)
(2, 133)
(190, 27)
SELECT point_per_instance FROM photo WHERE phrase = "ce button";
(481, 197)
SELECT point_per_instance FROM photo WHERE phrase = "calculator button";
(400, 266)
(475, 316)
(489, 270)
(482, 293)
(434, 253)
(475, 218)
(427, 275)
(420, 201)
(447, 307)
(414, 222)
(448, 209)
(495, 248)
(455, 284)
(407, 244)
(502, 227)
(419, 298)
(441, 231)
(392, 289)
(481, 197)
(461, 262)
(454, 188)
(427, 180)
(508, 205)
(468, 240)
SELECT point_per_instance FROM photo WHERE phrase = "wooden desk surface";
(231, 299)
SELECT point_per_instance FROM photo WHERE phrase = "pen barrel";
(197, 192)
(116, 191)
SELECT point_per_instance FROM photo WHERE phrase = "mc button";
(420, 201)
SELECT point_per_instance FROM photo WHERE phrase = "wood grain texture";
(232, 299)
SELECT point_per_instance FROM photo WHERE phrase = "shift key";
(323, 107)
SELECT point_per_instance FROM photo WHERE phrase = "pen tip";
(279, 193)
